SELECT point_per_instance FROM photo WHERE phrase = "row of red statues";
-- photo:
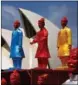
(14, 79)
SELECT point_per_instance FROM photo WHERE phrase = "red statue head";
(3, 82)
(16, 24)
(73, 60)
(41, 79)
(64, 21)
(15, 78)
(41, 23)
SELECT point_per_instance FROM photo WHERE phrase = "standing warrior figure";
(16, 50)
(42, 39)
(64, 42)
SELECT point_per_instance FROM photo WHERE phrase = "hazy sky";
(53, 11)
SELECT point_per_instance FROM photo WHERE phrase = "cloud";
(10, 9)
(9, 15)
(56, 12)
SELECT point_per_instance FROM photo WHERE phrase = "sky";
(51, 10)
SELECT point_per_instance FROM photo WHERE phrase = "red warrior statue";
(73, 65)
(42, 39)
(3, 82)
(15, 78)
(42, 78)
(73, 60)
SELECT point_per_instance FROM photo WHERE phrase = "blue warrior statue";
(16, 50)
